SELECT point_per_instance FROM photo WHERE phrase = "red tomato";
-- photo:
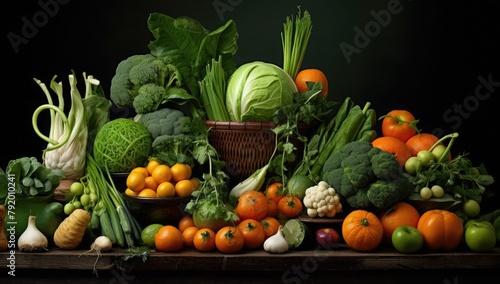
(314, 76)
(400, 124)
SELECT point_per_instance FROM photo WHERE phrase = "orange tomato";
(252, 204)
(130, 192)
(274, 191)
(393, 146)
(400, 213)
(180, 172)
(150, 182)
(204, 240)
(136, 181)
(311, 75)
(253, 233)
(147, 192)
(421, 141)
(289, 207)
(185, 222)
(229, 239)
(362, 230)
(161, 173)
(141, 170)
(184, 188)
(270, 225)
(168, 238)
(152, 164)
(165, 189)
(272, 208)
(399, 124)
(188, 236)
(441, 229)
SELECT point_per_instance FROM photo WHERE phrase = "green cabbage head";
(256, 90)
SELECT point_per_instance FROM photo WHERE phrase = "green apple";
(480, 236)
(407, 239)
(496, 225)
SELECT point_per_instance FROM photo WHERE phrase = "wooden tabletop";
(340, 259)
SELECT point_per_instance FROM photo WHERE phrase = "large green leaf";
(190, 47)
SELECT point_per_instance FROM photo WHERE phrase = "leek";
(294, 41)
(213, 91)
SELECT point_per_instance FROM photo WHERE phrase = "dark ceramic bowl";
(151, 210)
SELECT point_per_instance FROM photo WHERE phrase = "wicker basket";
(246, 146)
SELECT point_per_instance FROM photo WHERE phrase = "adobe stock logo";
(31, 26)
(460, 111)
(362, 38)
(223, 6)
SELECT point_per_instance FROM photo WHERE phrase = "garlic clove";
(32, 240)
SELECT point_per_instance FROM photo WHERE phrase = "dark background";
(426, 58)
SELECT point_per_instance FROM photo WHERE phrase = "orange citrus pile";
(160, 180)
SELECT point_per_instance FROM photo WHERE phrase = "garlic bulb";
(276, 243)
(32, 240)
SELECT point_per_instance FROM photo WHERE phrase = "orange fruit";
(147, 192)
(393, 146)
(150, 182)
(136, 181)
(165, 189)
(161, 173)
(184, 188)
(422, 141)
(180, 172)
(311, 75)
(401, 213)
(141, 170)
(188, 236)
(130, 192)
(168, 238)
(185, 222)
(152, 164)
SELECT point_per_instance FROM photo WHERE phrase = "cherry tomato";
(400, 124)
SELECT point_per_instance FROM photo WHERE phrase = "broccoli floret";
(359, 199)
(384, 165)
(383, 193)
(122, 92)
(173, 149)
(149, 98)
(358, 168)
(164, 121)
(139, 79)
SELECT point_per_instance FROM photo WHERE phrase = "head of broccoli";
(365, 176)
(142, 81)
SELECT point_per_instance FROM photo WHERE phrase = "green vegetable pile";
(121, 145)
(350, 123)
(366, 177)
(32, 178)
(177, 61)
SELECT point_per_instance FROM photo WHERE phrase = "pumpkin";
(441, 229)
(362, 230)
